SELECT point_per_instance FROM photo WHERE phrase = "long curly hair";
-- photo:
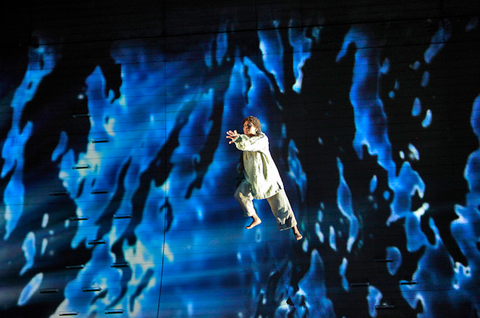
(255, 122)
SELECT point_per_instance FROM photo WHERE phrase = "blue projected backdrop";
(118, 181)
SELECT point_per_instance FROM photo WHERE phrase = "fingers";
(232, 135)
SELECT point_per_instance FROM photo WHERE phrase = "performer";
(260, 178)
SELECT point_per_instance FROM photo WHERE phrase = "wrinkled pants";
(279, 204)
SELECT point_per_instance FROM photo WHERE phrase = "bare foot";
(256, 221)
(297, 234)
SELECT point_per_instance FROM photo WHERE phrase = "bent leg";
(244, 196)
(282, 211)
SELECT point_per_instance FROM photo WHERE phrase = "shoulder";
(261, 137)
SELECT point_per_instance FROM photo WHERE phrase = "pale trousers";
(279, 204)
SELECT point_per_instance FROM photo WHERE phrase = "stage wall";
(117, 180)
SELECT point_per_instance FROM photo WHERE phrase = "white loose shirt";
(259, 169)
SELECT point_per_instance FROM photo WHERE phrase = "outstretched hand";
(232, 135)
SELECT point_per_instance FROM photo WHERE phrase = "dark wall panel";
(117, 180)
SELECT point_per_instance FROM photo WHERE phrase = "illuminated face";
(249, 129)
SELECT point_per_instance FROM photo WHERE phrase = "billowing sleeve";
(255, 143)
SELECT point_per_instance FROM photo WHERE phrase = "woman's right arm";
(255, 143)
(232, 135)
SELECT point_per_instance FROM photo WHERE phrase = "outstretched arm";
(245, 143)
(232, 135)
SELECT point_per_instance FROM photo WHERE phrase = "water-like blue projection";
(472, 24)
(425, 79)
(29, 250)
(374, 297)
(135, 210)
(395, 257)
(30, 289)
(373, 184)
(16, 139)
(296, 171)
(342, 271)
(414, 154)
(417, 107)
(346, 207)
(332, 238)
(301, 48)
(370, 118)
(438, 40)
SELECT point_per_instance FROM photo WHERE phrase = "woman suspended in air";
(260, 178)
